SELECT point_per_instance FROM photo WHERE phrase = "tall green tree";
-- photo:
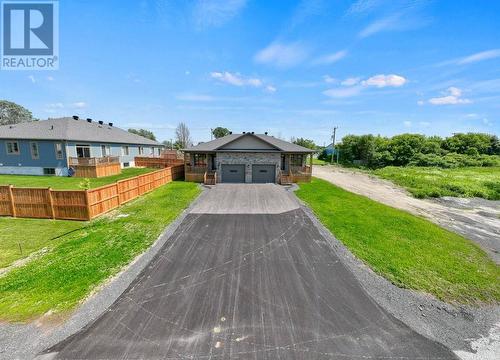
(219, 132)
(144, 133)
(12, 113)
(183, 136)
(307, 143)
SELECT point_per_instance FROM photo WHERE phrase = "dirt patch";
(475, 219)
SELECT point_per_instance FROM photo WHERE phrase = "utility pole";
(211, 134)
(333, 142)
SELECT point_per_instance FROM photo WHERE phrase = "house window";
(297, 160)
(152, 151)
(105, 150)
(59, 150)
(159, 151)
(200, 159)
(12, 147)
(35, 154)
(283, 164)
(141, 150)
(125, 150)
(82, 151)
(49, 171)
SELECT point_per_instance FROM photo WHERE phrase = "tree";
(183, 136)
(144, 133)
(12, 113)
(305, 143)
(219, 132)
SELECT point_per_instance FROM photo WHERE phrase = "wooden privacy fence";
(157, 162)
(81, 204)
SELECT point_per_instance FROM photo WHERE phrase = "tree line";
(458, 150)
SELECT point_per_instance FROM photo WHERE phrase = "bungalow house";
(248, 158)
(51, 147)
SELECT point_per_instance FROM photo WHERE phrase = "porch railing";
(75, 161)
(196, 169)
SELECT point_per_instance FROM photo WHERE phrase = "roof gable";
(248, 142)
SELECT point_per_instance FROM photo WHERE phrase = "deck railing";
(93, 161)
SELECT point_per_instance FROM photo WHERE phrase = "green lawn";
(319, 162)
(67, 183)
(423, 182)
(80, 261)
(21, 237)
(409, 251)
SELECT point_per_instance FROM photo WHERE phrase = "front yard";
(68, 183)
(409, 251)
(79, 261)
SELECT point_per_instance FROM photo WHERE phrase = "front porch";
(87, 167)
(295, 168)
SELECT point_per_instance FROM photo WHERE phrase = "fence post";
(117, 184)
(51, 203)
(11, 198)
(87, 203)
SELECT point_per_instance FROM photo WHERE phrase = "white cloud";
(407, 124)
(281, 55)
(55, 106)
(420, 102)
(350, 81)
(454, 97)
(384, 24)
(195, 97)
(329, 80)
(208, 13)
(50, 78)
(343, 92)
(424, 123)
(270, 89)
(480, 56)
(330, 58)
(32, 78)
(363, 6)
(382, 80)
(79, 105)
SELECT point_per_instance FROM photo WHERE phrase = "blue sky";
(292, 68)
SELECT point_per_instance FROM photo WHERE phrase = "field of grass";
(409, 251)
(483, 182)
(319, 162)
(21, 237)
(81, 260)
(67, 183)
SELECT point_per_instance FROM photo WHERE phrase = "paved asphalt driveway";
(234, 285)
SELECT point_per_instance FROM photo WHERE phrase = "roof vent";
(52, 127)
(89, 120)
(230, 133)
(265, 133)
(111, 124)
(244, 132)
(253, 133)
(75, 117)
(101, 122)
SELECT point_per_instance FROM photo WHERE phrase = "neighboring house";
(329, 150)
(248, 158)
(50, 147)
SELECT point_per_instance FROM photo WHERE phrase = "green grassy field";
(483, 182)
(21, 237)
(81, 260)
(409, 251)
(67, 183)
(319, 162)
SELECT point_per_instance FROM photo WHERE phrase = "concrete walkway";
(231, 283)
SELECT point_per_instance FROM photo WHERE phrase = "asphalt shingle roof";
(72, 130)
(280, 145)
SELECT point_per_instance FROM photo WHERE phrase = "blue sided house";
(53, 146)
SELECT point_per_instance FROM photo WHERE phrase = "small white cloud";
(235, 79)
(363, 6)
(382, 80)
(351, 81)
(454, 98)
(50, 78)
(32, 78)
(187, 72)
(343, 92)
(216, 12)
(195, 97)
(270, 89)
(424, 123)
(79, 105)
(329, 80)
(407, 124)
(486, 121)
(281, 55)
(330, 58)
(55, 105)
(420, 102)
(480, 56)
(384, 24)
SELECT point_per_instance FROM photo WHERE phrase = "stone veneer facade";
(247, 159)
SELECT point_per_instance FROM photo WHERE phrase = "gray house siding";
(24, 163)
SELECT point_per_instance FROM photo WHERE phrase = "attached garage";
(233, 173)
(263, 173)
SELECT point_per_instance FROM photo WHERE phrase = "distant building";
(50, 147)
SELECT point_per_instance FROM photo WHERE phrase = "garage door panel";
(233, 173)
(263, 173)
